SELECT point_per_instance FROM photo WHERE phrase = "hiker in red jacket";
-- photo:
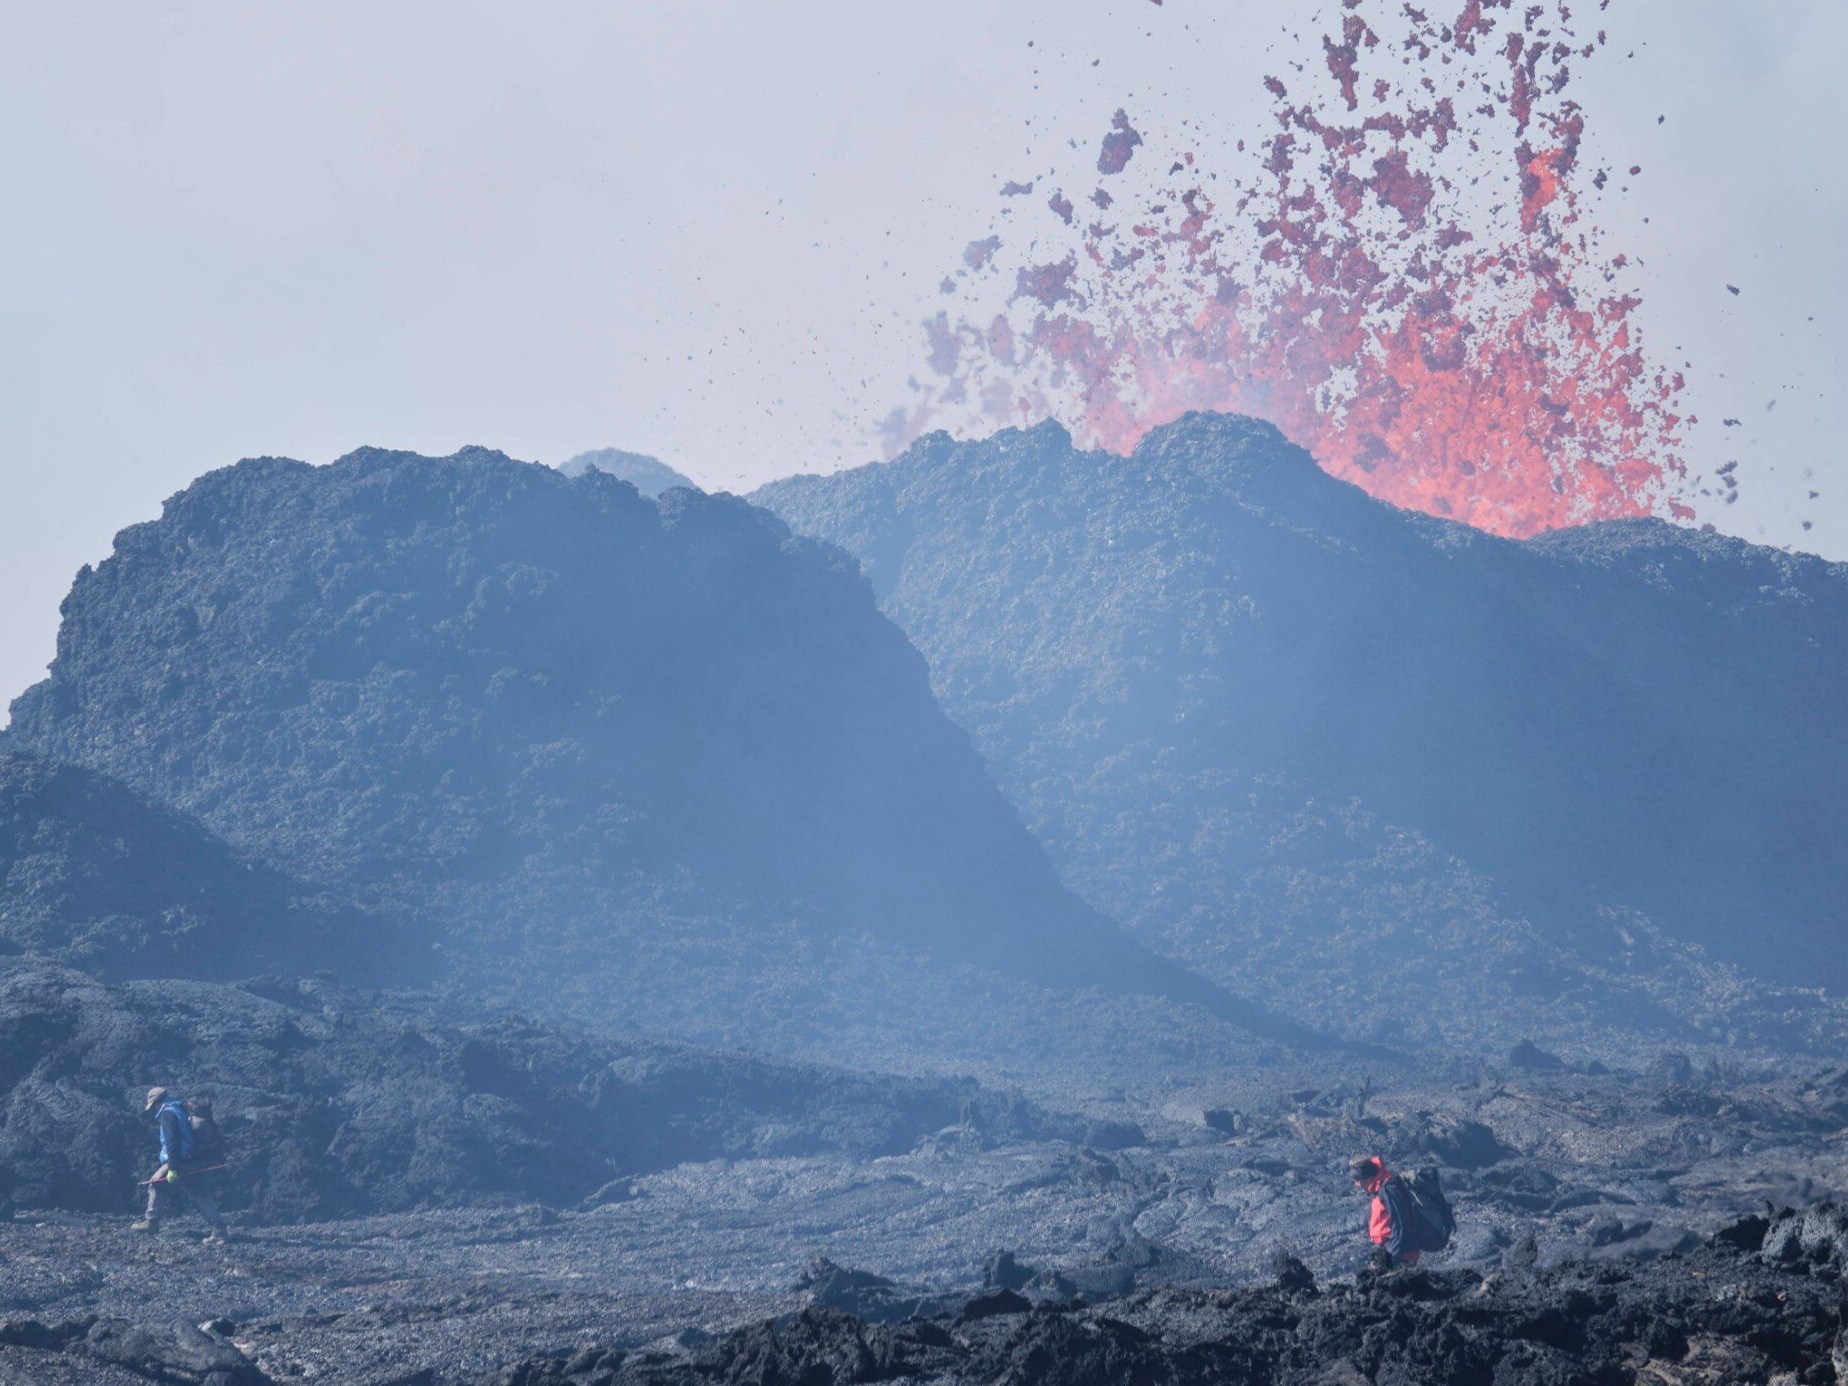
(1392, 1212)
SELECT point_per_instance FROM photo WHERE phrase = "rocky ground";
(1582, 1198)
(1714, 1316)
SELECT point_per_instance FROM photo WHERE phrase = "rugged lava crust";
(1725, 1313)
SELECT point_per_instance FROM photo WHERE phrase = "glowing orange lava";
(1449, 349)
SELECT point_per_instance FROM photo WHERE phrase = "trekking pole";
(144, 1183)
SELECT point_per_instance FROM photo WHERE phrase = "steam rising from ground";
(1406, 277)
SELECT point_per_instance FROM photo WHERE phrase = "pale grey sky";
(708, 229)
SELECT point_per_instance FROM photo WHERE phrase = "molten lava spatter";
(1405, 285)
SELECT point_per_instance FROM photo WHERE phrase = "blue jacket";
(175, 1134)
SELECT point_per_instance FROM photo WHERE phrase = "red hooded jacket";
(1390, 1216)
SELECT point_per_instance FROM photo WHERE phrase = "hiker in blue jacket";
(190, 1156)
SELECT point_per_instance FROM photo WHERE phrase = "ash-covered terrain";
(610, 962)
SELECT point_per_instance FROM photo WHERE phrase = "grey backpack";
(1431, 1209)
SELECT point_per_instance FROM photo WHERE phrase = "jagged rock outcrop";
(642, 759)
(104, 1351)
(1246, 706)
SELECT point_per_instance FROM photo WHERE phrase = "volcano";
(663, 762)
(1247, 707)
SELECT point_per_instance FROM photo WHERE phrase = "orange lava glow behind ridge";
(1406, 284)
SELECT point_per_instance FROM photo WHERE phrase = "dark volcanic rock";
(1223, 1120)
(1293, 1277)
(1002, 1271)
(873, 1298)
(644, 759)
(430, 671)
(1245, 705)
(1711, 1317)
(1453, 1140)
(1520, 1184)
(1531, 1056)
(1816, 1236)
(337, 1102)
(93, 875)
(177, 1353)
